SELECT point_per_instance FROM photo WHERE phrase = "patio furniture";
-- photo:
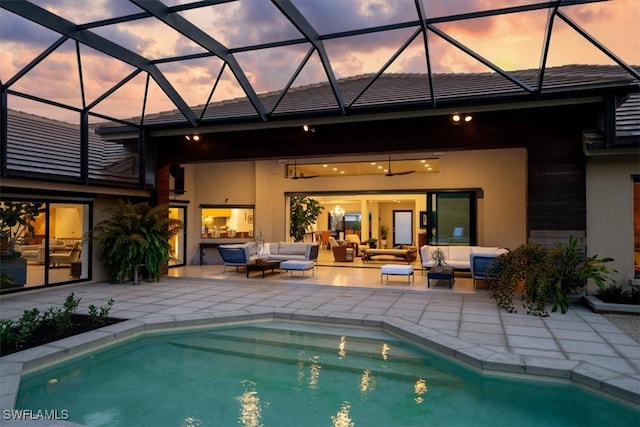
(456, 256)
(263, 266)
(397, 270)
(479, 264)
(297, 265)
(233, 256)
(441, 273)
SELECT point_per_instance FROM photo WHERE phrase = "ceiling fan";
(389, 173)
(301, 176)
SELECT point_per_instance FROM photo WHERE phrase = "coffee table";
(262, 265)
(440, 273)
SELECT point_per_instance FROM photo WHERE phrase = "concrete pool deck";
(580, 346)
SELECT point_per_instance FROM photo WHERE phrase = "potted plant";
(135, 235)
(356, 226)
(304, 212)
(16, 224)
(384, 232)
(372, 241)
(527, 270)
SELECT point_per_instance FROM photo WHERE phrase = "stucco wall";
(501, 174)
(610, 211)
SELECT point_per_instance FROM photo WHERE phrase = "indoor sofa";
(458, 257)
(239, 255)
(407, 254)
(35, 253)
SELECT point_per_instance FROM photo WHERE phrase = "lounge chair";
(341, 253)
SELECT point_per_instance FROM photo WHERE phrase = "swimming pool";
(299, 374)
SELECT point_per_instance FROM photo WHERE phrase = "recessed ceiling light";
(324, 166)
(423, 161)
(335, 169)
(373, 163)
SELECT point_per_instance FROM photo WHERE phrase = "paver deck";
(581, 346)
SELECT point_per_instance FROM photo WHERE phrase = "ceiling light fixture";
(194, 137)
(338, 211)
(458, 118)
(308, 128)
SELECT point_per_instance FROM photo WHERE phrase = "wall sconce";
(195, 137)
(338, 211)
(308, 128)
(459, 118)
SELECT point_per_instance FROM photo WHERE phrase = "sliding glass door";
(451, 218)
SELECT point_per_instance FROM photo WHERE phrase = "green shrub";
(547, 276)
(99, 315)
(62, 318)
(135, 234)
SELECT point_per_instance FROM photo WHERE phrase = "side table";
(440, 273)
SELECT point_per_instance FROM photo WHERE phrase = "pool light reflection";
(420, 388)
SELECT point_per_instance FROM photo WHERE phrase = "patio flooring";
(580, 346)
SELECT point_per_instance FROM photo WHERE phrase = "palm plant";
(134, 235)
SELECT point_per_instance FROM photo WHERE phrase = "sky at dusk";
(512, 42)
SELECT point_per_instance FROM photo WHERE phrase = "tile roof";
(628, 118)
(39, 144)
(397, 91)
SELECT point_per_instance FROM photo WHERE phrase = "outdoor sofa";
(455, 256)
(239, 255)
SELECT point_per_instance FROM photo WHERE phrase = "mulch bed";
(46, 333)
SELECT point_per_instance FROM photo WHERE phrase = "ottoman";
(397, 270)
(298, 265)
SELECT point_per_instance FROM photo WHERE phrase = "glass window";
(451, 218)
(227, 222)
(50, 246)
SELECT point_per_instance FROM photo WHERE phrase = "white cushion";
(396, 269)
(459, 253)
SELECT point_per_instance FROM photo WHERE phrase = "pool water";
(297, 374)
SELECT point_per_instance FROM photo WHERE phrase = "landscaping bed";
(35, 328)
(46, 332)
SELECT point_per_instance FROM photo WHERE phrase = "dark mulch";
(46, 333)
(619, 299)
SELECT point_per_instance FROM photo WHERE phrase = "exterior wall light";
(194, 138)
(308, 128)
